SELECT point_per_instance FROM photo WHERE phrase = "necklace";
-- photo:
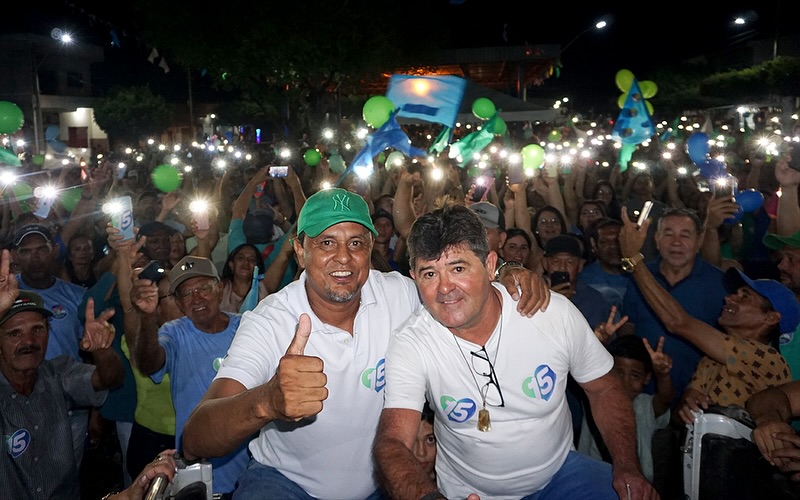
(484, 422)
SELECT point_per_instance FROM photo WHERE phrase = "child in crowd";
(636, 362)
(425, 444)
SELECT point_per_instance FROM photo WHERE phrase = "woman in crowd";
(237, 277)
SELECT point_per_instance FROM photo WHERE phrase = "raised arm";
(788, 220)
(296, 391)
(148, 355)
(669, 311)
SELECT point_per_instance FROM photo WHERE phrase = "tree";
(285, 61)
(130, 113)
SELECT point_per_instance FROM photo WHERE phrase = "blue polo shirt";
(701, 294)
(612, 286)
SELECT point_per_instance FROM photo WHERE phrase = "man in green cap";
(38, 394)
(306, 369)
(789, 266)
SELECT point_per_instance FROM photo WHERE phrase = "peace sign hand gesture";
(662, 362)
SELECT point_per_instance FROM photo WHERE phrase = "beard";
(341, 297)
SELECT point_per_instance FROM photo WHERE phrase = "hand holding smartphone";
(644, 214)
(153, 271)
(279, 171)
(559, 278)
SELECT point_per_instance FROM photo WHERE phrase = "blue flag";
(435, 99)
(251, 299)
(389, 135)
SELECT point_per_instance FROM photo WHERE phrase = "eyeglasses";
(203, 291)
(485, 368)
(552, 222)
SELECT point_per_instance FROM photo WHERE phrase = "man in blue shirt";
(605, 274)
(190, 348)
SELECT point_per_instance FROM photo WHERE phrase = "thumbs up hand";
(297, 389)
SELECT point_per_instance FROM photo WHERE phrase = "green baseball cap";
(325, 208)
(776, 242)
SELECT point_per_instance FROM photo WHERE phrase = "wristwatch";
(630, 263)
(509, 263)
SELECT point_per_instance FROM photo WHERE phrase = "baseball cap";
(30, 229)
(488, 213)
(381, 213)
(191, 267)
(563, 243)
(781, 298)
(258, 225)
(26, 301)
(152, 228)
(777, 242)
(328, 207)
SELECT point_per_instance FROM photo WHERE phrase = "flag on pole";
(251, 299)
(389, 135)
(435, 99)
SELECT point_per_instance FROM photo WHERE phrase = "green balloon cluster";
(11, 117)
(166, 178)
(483, 108)
(312, 157)
(377, 110)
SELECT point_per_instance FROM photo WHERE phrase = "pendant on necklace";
(484, 423)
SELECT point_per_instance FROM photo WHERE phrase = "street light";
(599, 25)
(64, 39)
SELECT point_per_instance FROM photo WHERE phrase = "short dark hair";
(602, 223)
(631, 347)
(450, 226)
(515, 231)
(227, 274)
(683, 212)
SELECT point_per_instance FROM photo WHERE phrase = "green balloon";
(377, 110)
(22, 191)
(500, 127)
(11, 117)
(395, 159)
(532, 156)
(483, 108)
(166, 178)
(70, 198)
(336, 163)
(38, 159)
(312, 157)
(554, 136)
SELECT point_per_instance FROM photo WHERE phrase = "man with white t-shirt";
(498, 383)
(305, 370)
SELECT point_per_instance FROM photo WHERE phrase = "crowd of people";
(326, 335)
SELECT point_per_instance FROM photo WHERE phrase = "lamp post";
(64, 39)
(599, 25)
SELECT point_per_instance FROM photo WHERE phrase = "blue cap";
(781, 298)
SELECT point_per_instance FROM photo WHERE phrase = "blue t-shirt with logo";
(65, 327)
(193, 358)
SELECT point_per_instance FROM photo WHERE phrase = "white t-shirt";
(328, 455)
(532, 434)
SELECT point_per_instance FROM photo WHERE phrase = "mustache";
(28, 349)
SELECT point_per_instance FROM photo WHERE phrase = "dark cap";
(258, 226)
(191, 267)
(381, 213)
(154, 227)
(26, 301)
(564, 243)
(29, 229)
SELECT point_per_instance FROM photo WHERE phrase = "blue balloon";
(735, 218)
(749, 200)
(51, 133)
(58, 146)
(711, 168)
(697, 147)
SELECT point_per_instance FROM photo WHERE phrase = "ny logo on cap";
(186, 266)
(341, 202)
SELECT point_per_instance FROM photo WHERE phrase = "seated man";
(460, 349)
(305, 370)
(738, 361)
(37, 395)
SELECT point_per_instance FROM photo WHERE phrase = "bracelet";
(433, 495)
(509, 263)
